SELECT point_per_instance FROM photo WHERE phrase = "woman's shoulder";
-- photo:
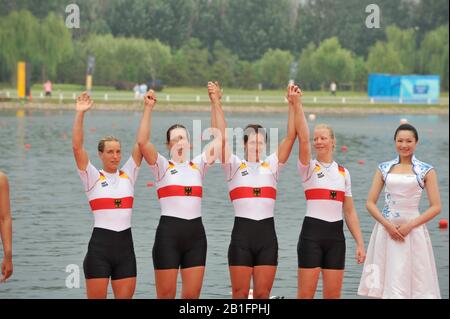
(421, 165)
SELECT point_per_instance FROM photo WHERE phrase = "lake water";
(53, 223)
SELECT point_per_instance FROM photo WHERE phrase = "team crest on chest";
(188, 191)
(257, 192)
(117, 203)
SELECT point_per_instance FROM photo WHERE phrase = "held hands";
(150, 99)
(394, 232)
(294, 94)
(405, 229)
(214, 91)
(84, 102)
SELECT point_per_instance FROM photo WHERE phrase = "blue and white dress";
(395, 269)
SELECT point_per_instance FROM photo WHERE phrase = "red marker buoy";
(361, 162)
(150, 184)
(27, 146)
(443, 224)
(344, 148)
(93, 129)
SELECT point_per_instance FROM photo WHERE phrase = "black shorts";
(110, 255)
(179, 243)
(253, 243)
(321, 244)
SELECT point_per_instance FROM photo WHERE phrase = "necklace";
(325, 166)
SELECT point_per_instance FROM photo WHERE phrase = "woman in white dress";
(400, 261)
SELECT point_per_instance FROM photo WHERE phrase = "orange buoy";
(344, 148)
(361, 162)
(443, 224)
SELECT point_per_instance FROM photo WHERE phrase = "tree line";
(242, 43)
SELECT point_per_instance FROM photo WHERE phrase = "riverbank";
(165, 106)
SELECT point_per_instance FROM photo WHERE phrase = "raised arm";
(5, 229)
(84, 103)
(285, 147)
(146, 148)
(218, 122)
(371, 205)
(434, 198)
(301, 126)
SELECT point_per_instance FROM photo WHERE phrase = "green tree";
(361, 74)
(318, 20)
(19, 41)
(307, 76)
(246, 75)
(405, 43)
(274, 68)
(383, 58)
(39, 9)
(223, 66)
(189, 65)
(55, 43)
(333, 63)
(429, 15)
(434, 54)
(107, 67)
(253, 27)
(398, 55)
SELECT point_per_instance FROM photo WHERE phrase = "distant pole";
(21, 79)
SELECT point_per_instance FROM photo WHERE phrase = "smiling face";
(178, 144)
(111, 156)
(405, 143)
(324, 142)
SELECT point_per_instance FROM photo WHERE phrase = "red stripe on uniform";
(325, 194)
(177, 190)
(253, 192)
(111, 203)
